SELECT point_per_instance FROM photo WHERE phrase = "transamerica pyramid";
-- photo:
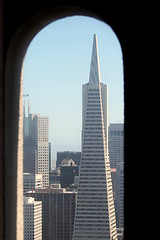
(95, 212)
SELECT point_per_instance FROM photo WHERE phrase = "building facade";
(29, 148)
(58, 209)
(41, 134)
(32, 219)
(50, 163)
(31, 182)
(36, 152)
(95, 212)
(68, 172)
(116, 143)
(116, 155)
(76, 156)
(120, 195)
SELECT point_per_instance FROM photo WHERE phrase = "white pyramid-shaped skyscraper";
(95, 213)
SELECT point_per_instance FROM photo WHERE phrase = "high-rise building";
(36, 145)
(116, 155)
(50, 164)
(120, 195)
(113, 176)
(68, 172)
(95, 212)
(58, 210)
(31, 181)
(116, 143)
(26, 118)
(54, 176)
(29, 155)
(41, 134)
(76, 156)
(29, 148)
(32, 219)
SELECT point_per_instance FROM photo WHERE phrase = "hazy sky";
(56, 65)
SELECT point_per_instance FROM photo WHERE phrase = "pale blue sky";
(56, 65)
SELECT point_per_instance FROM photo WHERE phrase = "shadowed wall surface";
(19, 23)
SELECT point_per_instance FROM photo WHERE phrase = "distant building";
(76, 156)
(36, 145)
(31, 182)
(67, 162)
(120, 233)
(50, 164)
(68, 171)
(74, 186)
(32, 219)
(116, 143)
(116, 155)
(54, 176)
(41, 136)
(29, 154)
(113, 176)
(120, 195)
(29, 148)
(58, 210)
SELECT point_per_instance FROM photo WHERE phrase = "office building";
(76, 156)
(120, 195)
(32, 219)
(41, 137)
(31, 182)
(116, 155)
(26, 117)
(58, 210)
(120, 233)
(50, 164)
(54, 176)
(113, 176)
(36, 152)
(95, 212)
(68, 171)
(29, 148)
(116, 143)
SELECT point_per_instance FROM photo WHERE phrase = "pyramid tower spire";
(94, 77)
(95, 213)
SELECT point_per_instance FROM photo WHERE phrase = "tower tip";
(94, 69)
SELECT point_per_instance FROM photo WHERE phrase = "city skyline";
(56, 66)
(95, 211)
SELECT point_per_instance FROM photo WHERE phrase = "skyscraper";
(68, 172)
(95, 213)
(41, 133)
(120, 195)
(31, 182)
(32, 219)
(116, 156)
(29, 148)
(36, 145)
(116, 143)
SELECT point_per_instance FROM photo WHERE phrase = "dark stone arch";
(27, 18)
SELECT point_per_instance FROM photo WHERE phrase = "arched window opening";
(14, 114)
(59, 61)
